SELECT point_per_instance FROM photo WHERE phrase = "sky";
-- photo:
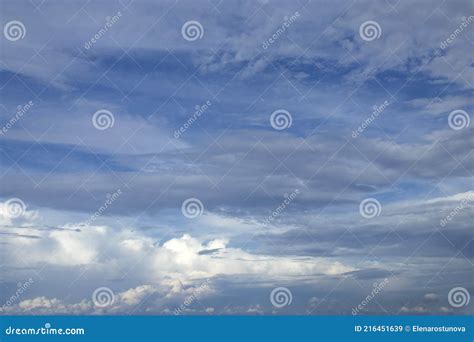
(236, 157)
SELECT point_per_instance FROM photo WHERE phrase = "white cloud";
(171, 269)
(431, 297)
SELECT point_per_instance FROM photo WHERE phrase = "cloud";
(164, 271)
(416, 309)
(431, 297)
(181, 258)
(321, 71)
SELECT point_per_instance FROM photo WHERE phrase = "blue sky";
(150, 77)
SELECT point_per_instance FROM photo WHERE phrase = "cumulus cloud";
(168, 270)
(104, 248)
